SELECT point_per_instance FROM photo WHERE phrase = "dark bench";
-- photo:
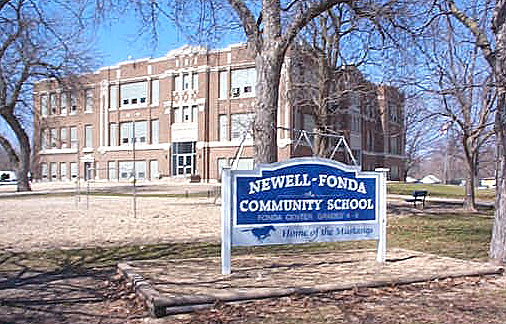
(418, 196)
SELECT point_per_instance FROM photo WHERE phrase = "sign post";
(302, 200)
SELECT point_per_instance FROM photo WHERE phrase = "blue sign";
(302, 200)
(312, 192)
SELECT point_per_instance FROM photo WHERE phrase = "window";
(43, 105)
(63, 104)
(73, 137)
(195, 81)
(63, 170)
(392, 112)
(186, 114)
(195, 114)
(141, 132)
(125, 169)
(186, 81)
(243, 82)
(177, 83)
(73, 103)
(356, 123)
(241, 125)
(88, 103)
(126, 133)
(245, 164)
(308, 122)
(222, 163)
(88, 136)
(140, 170)
(43, 139)
(155, 131)
(155, 92)
(113, 97)
(357, 154)
(178, 117)
(113, 134)
(63, 137)
(223, 128)
(223, 85)
(111, 169)
(153, 170)
(53, 137)
(43, 171)
(53, 168)
(73, 170)
(134, 94)
(53, 104)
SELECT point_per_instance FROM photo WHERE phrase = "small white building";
(430, 179)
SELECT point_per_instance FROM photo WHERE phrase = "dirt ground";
(61, 222)
(78, 295)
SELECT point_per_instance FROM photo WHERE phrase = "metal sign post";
(302, 200)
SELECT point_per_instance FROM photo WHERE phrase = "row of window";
(127, 130)
(122, 170)
(186, 81)
(65, 102)
(59, 137)
(241, 126)
(242, 83)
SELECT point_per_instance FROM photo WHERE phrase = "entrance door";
(183, 159)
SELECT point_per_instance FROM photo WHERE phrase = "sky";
(118, 41)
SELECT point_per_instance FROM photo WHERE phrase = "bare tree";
(496, 58)
(37, 40)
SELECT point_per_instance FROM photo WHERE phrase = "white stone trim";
(58, 151)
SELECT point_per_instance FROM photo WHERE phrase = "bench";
(418, 196)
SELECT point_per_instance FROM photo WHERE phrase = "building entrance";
(183, 159)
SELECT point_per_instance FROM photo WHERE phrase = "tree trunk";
(25, 152)
(469, 200)
(268, 65)
(498, 242)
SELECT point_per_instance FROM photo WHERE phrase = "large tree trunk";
(498, 242)
(469, 200)
(268, 65)
(25, 152)
(321, 142)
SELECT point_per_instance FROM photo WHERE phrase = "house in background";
(189, 112)
(430, 179)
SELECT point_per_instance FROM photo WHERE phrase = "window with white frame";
(43, 105)
(126, 169)
(141, 132)
(392, 112)
(245, 164)
(187, 118)
(243, 82)
(63, 137)
(308, 122)
(178, 116)
(43, 171)
(241, 125)
(74, 171)
(140, 170)
(43, 138)
(126, 133)
(186, 81)
(155, 92)
(155, 125)
(73, 103)
(113, 134)
(53, 139)
(223, 128)
(53, 104)
(356, 123)
(178, 86)
(154, 173)
(88, 136)
(113, 97)
(63, 104)
(73, 137)
(134, 94)
(195, 114)
(223, 85)
(111, 169)
(88, 101)
(195, 81)
(53, 168)
(63, 170)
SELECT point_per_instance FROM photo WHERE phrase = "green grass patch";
(437, 190)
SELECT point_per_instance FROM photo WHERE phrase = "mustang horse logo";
(261, 233)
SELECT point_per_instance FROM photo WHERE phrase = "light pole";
(134, 175)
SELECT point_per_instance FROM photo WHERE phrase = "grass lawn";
(437, 190)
